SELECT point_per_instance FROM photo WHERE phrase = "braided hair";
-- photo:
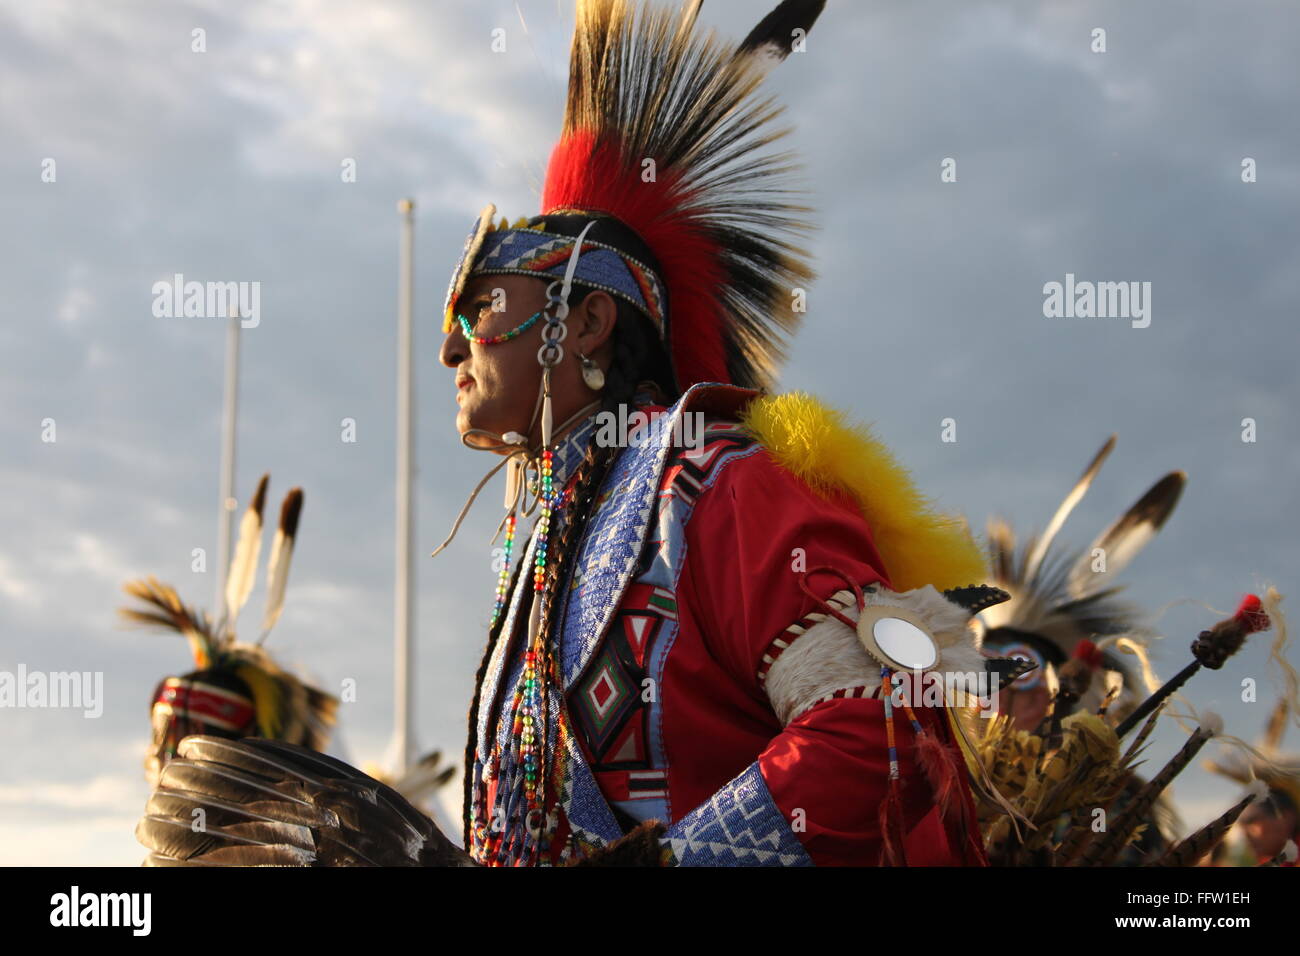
(639, 360)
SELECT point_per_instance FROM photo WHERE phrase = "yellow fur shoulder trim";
(918, 544)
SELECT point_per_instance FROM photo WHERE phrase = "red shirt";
(735, 529)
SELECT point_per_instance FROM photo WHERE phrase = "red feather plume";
(585, 174)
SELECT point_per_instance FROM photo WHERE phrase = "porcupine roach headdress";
(664, 130)
(237, 689)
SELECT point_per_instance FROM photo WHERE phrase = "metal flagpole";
(404, 591)
(227, 504)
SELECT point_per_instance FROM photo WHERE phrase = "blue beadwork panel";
(740, 825)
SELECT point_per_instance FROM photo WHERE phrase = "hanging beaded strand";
(503, 578)
(534, 693)
(549, 355)
(537, 658)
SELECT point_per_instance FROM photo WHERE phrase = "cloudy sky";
(226, 165)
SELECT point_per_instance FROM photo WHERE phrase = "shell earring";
(592, 374)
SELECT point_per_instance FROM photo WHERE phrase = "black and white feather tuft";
(778, 33)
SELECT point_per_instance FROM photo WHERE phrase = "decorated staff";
(1211, 649)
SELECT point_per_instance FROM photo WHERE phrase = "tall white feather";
(243, 568)
(1076, 494)
(277, 568)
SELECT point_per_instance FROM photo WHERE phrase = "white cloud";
(101, 792)
(106, 840)
(76, 303)
(17, 586)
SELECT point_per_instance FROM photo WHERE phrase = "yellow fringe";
(267, 698)
(918, 544)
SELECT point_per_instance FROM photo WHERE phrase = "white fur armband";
(819, 655)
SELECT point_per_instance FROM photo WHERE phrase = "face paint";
(1022, 651)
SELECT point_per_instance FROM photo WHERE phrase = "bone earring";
(592, 374)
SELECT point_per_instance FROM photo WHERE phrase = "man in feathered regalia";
(668, 653)
(686, 658)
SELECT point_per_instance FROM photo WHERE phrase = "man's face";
(1267, 829)
(1027, 708)
(496, 385)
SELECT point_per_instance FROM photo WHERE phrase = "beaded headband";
(218, 706)
(521, 249)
